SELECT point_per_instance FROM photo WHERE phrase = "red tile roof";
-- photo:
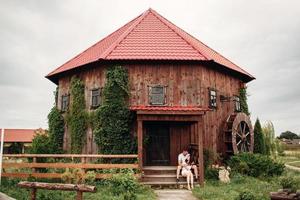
(169, 108)
(148, 37)
(20, 135)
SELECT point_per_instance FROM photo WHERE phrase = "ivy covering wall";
(112, 119)
(243, 101)
(56, 130)
(77, 116)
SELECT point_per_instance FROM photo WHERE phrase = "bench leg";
(33, 193)
(79, 195)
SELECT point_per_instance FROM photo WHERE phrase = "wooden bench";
(80, 188)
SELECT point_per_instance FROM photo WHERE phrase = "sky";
(261, 36)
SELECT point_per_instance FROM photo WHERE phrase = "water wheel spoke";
(237, 144)
(244, 128)
(247, 134)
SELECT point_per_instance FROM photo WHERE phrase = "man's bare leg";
(178, 171)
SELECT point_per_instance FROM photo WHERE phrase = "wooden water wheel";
(238, 136)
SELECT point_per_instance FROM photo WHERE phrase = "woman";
(186, 172)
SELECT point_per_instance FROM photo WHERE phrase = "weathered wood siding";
(187, 85)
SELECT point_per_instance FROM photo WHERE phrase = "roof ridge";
(205, 55)
(164, 20)
(94, 44)
(124, 35)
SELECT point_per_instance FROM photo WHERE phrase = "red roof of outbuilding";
(20, 135)
(148, 37)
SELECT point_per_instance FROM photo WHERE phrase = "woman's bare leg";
(192, 180)
(188, 181)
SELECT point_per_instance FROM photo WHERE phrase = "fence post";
(33, 193)
(79, 195)
(34, 161)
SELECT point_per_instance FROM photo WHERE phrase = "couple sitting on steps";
(187, 166)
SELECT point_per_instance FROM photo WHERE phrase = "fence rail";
(84, 165)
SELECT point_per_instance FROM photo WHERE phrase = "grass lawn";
(104, 192)
(214, 190)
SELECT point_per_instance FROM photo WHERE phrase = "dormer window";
(65, 99)
(157, 95)
(95, 98)
(212, 98)
(237, 103)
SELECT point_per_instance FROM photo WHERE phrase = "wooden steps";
(161, 176)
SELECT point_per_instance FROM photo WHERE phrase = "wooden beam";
(70, 165)
(181, 118)
(200, 127)
(58, 186)
(50, 175)
(140, 143)
(69, 156)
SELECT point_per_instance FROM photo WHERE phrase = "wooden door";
(158, 144)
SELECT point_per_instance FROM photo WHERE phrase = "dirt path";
(174, 195)
(292, 167)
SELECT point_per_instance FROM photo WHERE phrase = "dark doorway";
(158, 144)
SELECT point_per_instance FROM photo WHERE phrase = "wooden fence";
(8, 165)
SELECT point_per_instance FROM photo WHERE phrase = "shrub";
(246, 195)
(255, 165)
(209, 157)
(124, 183)
(78, 176)
(211, 173)
(289, 182)
(41, 144)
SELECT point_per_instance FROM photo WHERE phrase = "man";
(183, 160)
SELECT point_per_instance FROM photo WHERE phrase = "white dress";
(186, 170)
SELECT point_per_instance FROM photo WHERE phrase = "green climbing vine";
(243, 101)
(113, 117)
(56, 130)
(77, 116)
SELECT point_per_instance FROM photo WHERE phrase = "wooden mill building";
(183, 92)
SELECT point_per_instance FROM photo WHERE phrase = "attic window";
(95, 98)
(237, 103)
(157, 95)
(212, 98)
(65, 102)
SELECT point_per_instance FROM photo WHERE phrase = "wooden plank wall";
(187, 85)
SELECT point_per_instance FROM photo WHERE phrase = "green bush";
(211, 173)
(125, 184)
(246, 195)
(255, 165)
(289, 182)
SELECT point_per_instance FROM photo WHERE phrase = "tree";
(243, 101)
(259, 140)
(289, 135)
(269, 135)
